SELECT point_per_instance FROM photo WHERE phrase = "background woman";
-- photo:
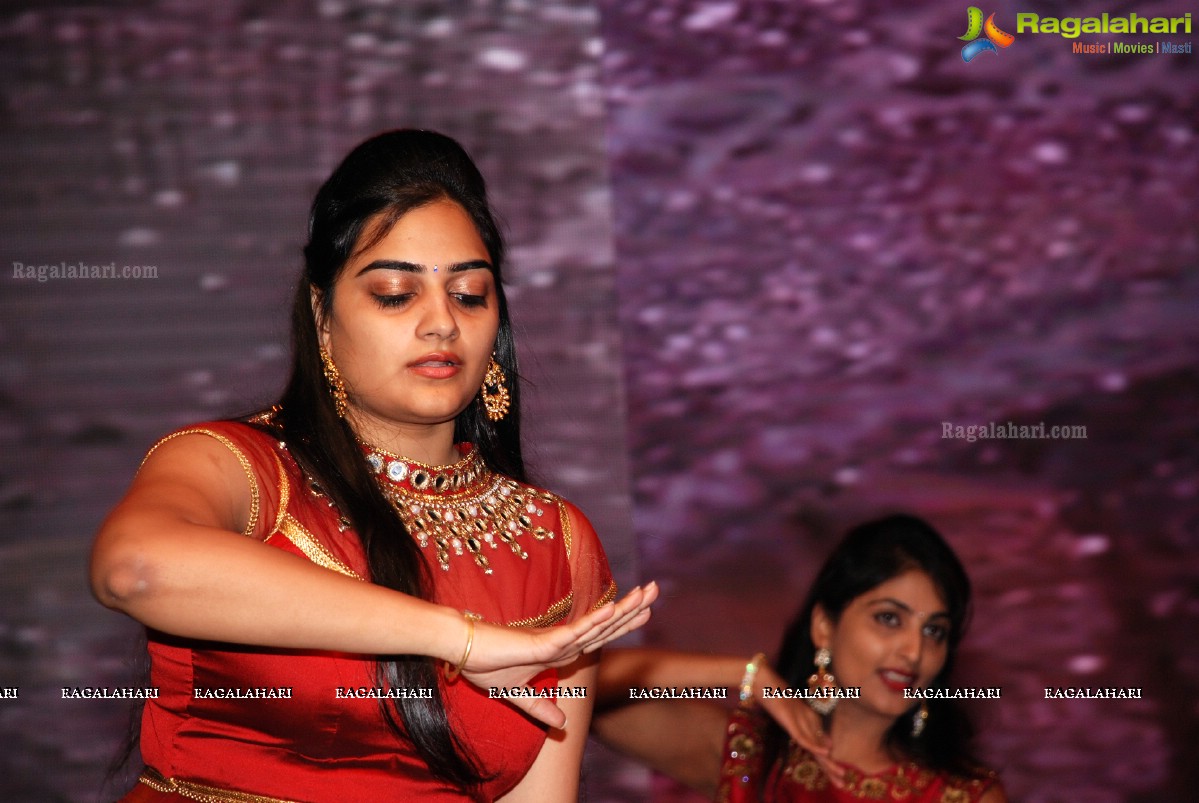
(371, 536)
(885, 615)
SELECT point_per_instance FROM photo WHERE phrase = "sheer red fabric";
(326, 740)
(799, 779)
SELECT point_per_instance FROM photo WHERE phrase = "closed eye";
(389, 301)
(471, 300)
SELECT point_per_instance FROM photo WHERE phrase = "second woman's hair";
(378, 182)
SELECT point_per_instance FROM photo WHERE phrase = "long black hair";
(378, 182)
(871, 554)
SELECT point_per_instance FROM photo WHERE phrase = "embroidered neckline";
(460, 509)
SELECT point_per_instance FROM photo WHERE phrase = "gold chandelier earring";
(496, 400)
(822, 686)
(337, 387)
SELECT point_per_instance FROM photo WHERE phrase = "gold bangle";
(452, 672)
(747, 680)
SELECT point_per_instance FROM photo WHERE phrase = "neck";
(858, 738)
(432, 444)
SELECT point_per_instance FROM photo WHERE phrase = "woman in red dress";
(356, 595)
(884, 617)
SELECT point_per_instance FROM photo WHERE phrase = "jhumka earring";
(919, 719)
(496, 400)
(822, 685)
(337, 388)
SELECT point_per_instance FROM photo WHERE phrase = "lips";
(436, 365)
(897, 680)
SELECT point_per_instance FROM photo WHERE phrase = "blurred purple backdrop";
(811, 229)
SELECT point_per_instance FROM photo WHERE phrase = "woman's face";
(893, 637)
(414, 321)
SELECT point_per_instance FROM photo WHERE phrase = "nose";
(437, 318)
(911, 645)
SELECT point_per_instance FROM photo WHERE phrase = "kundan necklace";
(460, 509)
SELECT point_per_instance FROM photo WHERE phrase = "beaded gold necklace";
(460, 509)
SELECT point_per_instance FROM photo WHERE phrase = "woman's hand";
(800, 722)
(507, 657)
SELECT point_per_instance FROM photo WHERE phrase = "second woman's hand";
(800, 722)
(510, 657)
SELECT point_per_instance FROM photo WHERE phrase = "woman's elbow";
(120, 571)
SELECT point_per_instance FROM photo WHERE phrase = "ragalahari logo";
(976, 26)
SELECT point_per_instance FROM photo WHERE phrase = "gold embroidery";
(872, 788)
(742, 755)
(608, 595)
(902, 782)
(564, 517)
(556, 613)
(560, 610)
(808, 774)
(312, 548)
(284, 494)
(241, 458)
(195, 791)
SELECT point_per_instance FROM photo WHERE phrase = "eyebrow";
(413, 267)
(898, 604)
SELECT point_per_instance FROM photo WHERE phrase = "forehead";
(914, 588)
(437, 231)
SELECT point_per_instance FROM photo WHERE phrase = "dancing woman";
(336, 589)
(884, 617)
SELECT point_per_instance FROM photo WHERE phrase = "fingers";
(541, 709)
(834, 771)
(805, 726)
(627, 615)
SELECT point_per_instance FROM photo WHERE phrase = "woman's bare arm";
(554, 776)
(677, 737)
(171, 556)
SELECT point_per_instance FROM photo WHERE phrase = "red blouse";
(327, 740)
(799, 779)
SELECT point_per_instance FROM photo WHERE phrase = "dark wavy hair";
(871, 554)
(381, 180)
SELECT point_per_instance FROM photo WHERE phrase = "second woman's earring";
(496, 400)
(337, 388)
(919, 719)
(822, 686)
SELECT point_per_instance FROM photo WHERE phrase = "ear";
(822, 627)
(319, 319)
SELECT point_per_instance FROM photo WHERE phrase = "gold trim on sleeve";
(312, 548)
(284, 495)
(564, 517)
(554, 614)
(241, 458)
(196, 791)
(608, 596)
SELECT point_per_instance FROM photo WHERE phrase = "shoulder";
(592, 585)
(235, 436)
(231, 447)
(229, 463)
